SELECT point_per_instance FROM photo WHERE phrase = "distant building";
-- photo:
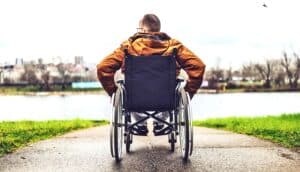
(11, 73)
(19, 61)
(79, 60)
(40, 61)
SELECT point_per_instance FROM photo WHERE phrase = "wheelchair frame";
(122, 130)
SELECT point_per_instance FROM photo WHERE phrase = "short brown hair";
(152, 22)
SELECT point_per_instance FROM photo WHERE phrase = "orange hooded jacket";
(147, 44)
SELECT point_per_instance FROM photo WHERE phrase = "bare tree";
(45, 77)
(292, 69)
(286, 63)
(213, 76)
(0, 75)
(29, 75)
(217, 72)
(248, 72)
(228, 74)
(297, 69)
(278, 74)
(266, 72)
(65, 77)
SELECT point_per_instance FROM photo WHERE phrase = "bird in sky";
(265, 5)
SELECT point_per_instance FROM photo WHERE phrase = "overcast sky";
(233, 31)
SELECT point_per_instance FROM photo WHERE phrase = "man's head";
(150, 23)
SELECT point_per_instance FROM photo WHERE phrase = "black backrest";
(150, 82)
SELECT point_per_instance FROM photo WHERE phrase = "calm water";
(98, 106)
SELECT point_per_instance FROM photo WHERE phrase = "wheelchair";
(151, 87)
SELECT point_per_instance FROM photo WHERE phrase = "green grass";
(17, 134)
(53, 91)
(284, 129)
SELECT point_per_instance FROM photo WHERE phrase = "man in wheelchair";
(151, 61)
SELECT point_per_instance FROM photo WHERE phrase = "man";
(149, 40)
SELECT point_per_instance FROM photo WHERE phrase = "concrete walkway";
(214, 150)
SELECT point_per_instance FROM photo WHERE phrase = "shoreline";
(102, 92)
(51, 93)
(215, 91)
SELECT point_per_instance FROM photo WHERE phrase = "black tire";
(184, 126)
(118, 126)
(112, 141)
(128, 142)
(191, 131)
(191, 140)
(172, 141)
(111, 134)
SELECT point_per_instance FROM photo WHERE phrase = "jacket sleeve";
(193, 66)
(108, 67)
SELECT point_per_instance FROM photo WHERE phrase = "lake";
(97, 106)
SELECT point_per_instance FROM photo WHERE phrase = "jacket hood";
(149, 43)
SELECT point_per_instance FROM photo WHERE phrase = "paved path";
(88, 150)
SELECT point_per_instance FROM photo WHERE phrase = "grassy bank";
(262, 90)
(33, 90)
(284, 129)
(36, 88)
(17, 134)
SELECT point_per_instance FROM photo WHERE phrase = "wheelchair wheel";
(111, 133)
(185, 127)
(116, 131)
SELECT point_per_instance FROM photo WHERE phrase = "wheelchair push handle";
(120, 82)
(180, 80)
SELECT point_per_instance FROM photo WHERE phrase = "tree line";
(47, 75)
(280, 73)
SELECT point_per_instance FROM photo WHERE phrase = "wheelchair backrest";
(150, 82)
